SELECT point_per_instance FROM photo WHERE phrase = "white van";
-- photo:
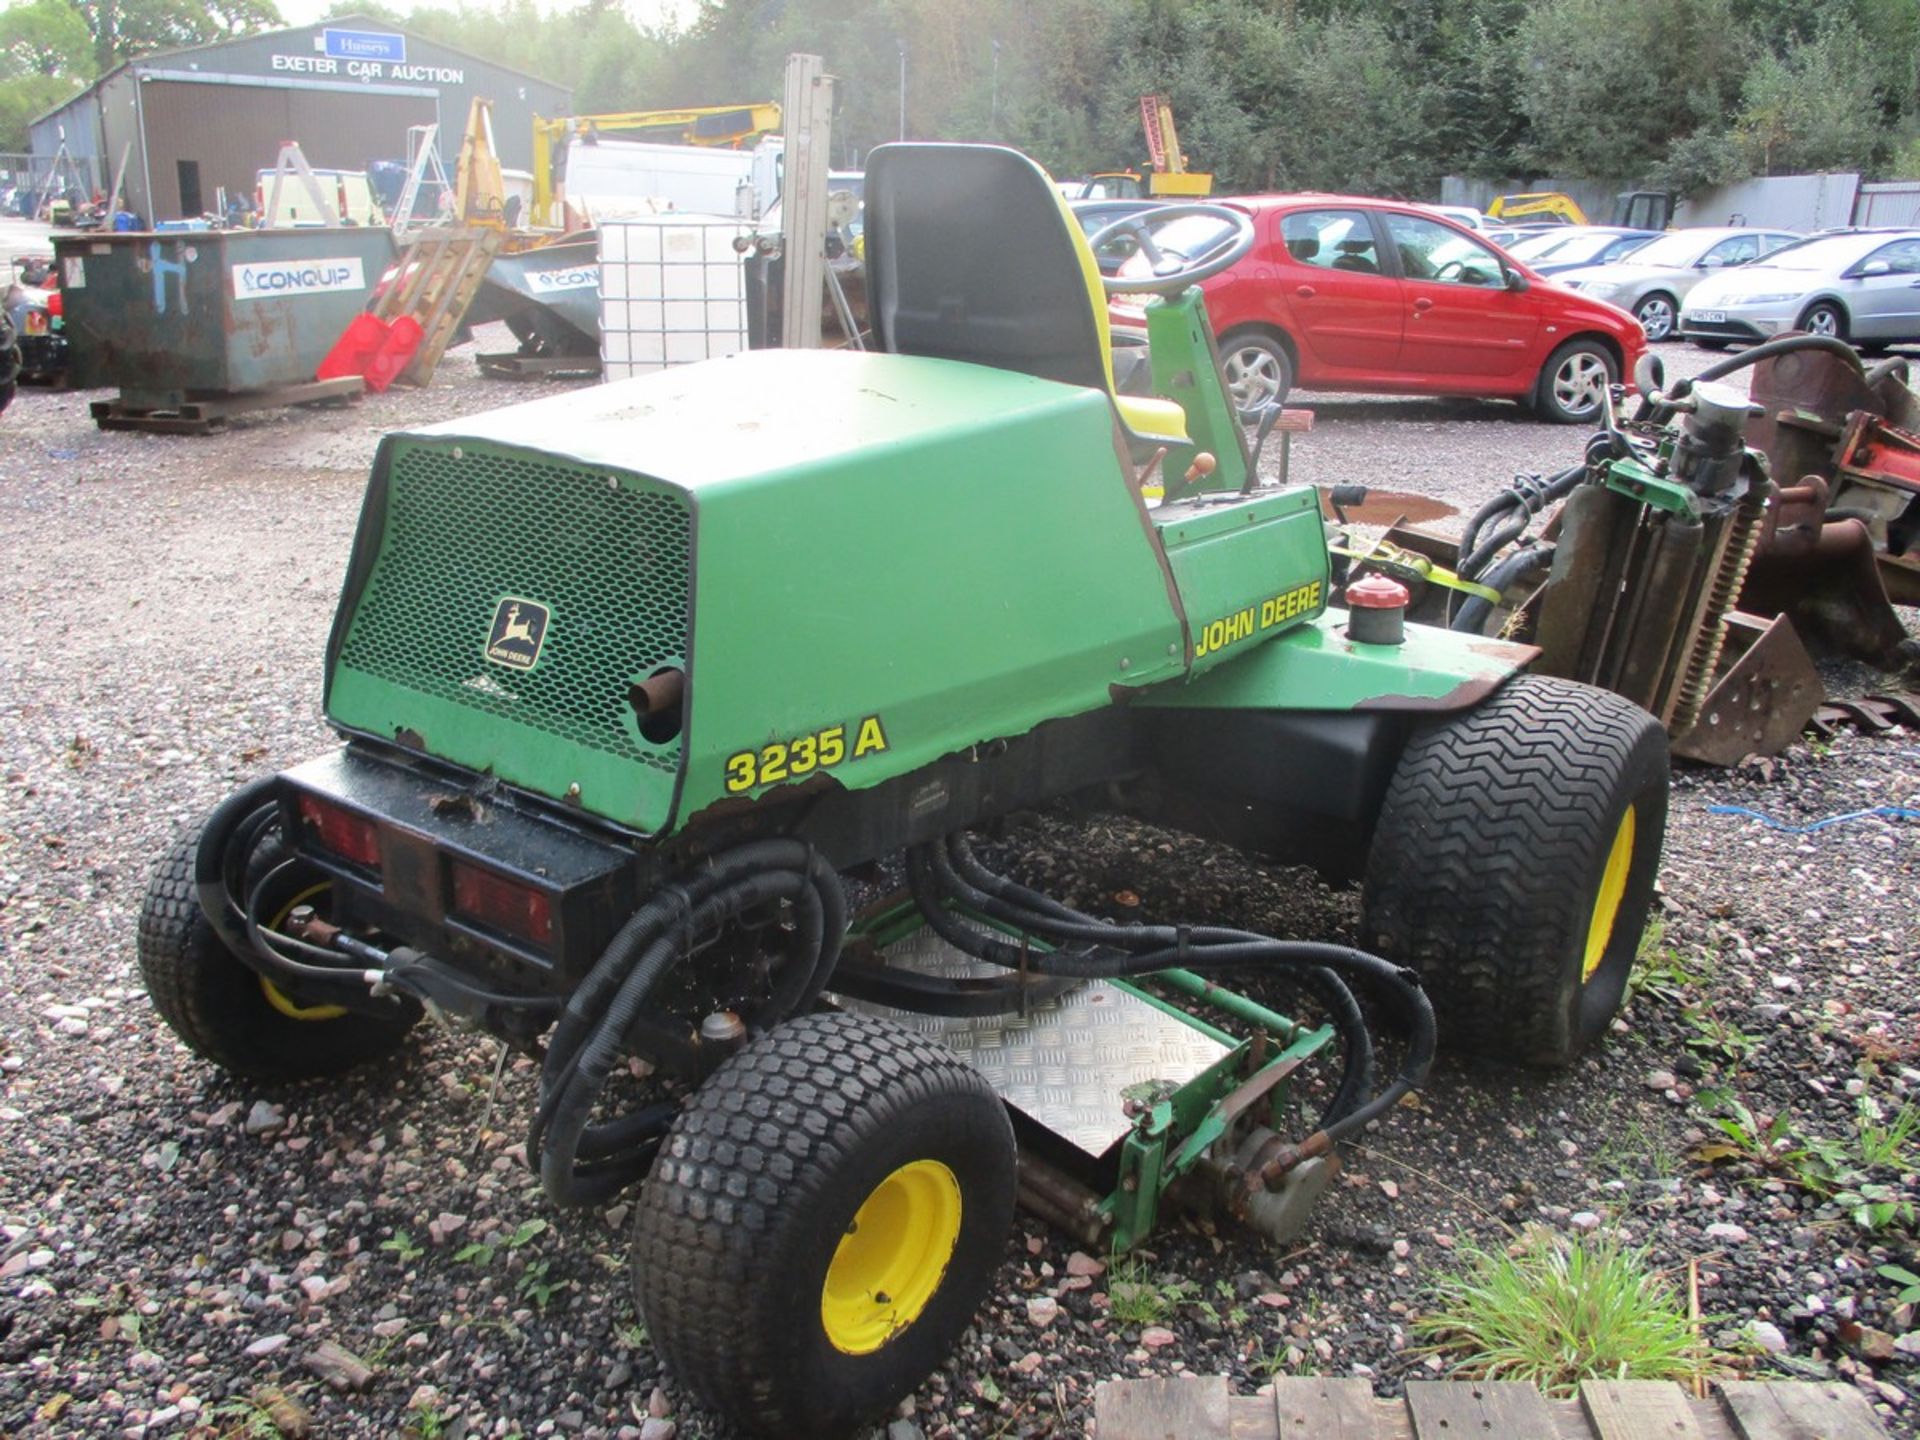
(349, 190)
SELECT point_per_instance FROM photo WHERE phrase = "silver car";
(1651, 282)
(1861, 285)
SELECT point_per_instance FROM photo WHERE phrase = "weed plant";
(1556, 1310)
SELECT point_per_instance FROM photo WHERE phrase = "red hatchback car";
(1340, 293)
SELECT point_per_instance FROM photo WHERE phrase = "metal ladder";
(293, 162)
(423, 161)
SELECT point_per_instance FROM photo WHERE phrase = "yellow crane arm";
(1170, 173)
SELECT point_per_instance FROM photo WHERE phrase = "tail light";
(485, 898)
(340, 833)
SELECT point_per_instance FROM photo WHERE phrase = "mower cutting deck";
(627, 679)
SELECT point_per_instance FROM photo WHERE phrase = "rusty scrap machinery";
(1706, 550)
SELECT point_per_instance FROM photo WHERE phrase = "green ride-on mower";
(628, 679)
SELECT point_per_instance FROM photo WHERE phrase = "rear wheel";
(1573, 383)
(822, 1223)
(226, 1012)
(1825, 318)
(1656, 316)
(1258, 370)
(1514, 861)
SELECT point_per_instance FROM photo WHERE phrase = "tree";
(123, 29)
(44, 37)
(1813, 108)
(45, 56)
(1609, 85)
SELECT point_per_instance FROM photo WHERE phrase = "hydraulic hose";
(1513, 509)
(581, 1161)
(250, 806)
(944, 874)
(1502, 573)
(1785, 345)
(925, 872)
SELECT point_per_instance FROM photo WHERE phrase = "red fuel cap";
(1377, 592)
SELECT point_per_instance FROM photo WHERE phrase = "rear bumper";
(1736, 324)
(429, 825)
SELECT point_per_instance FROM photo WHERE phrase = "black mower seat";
(973, 255)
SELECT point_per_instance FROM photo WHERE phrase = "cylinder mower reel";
(608, 752)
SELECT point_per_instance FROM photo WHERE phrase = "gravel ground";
(176, 1247)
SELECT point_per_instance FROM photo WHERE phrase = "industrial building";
(191, 123)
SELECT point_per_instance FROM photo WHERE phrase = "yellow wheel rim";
(278, 998)
(1613, 888)
(892, 1258)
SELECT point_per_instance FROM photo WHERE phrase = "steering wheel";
(1452, 267)
(1172, 270)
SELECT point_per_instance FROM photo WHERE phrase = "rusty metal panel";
(1761, 702)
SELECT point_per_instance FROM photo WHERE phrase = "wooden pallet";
(204, 414)
(438, 276)
(1193, 1407)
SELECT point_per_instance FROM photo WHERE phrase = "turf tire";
(1490, 853)
(214, 1001)
(757, 1183)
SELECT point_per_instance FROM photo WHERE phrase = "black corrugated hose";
(944, 874)
(582, 1162)
(1510, 512)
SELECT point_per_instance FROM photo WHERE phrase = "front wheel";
(1656, 316)
(822, 1223)
(1259, 372)
(1514, 861)
(1826, 319)
(1573, 383)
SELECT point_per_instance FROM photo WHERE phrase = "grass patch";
(1137, 1298)
(1560, 1310)
(1634, 1151)
(1661, 971)
(1863, 1174)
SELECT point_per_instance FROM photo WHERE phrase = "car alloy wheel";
(1655, 314)
(1256, 376)
(1823, 320)
(1579, 382)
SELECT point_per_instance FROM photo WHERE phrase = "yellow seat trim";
(1152, 418)
(1149, 417)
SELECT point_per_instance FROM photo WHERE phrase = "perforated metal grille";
(608, 561)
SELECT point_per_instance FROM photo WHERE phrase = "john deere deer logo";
(519, 628)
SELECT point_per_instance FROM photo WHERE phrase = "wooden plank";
(1796, 1410)
(1477, 1410)
(1187, 1407)
(1639, 1410)
(1322, 1407)
(1250, 1417)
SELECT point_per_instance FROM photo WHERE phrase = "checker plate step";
(1068, 1062)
